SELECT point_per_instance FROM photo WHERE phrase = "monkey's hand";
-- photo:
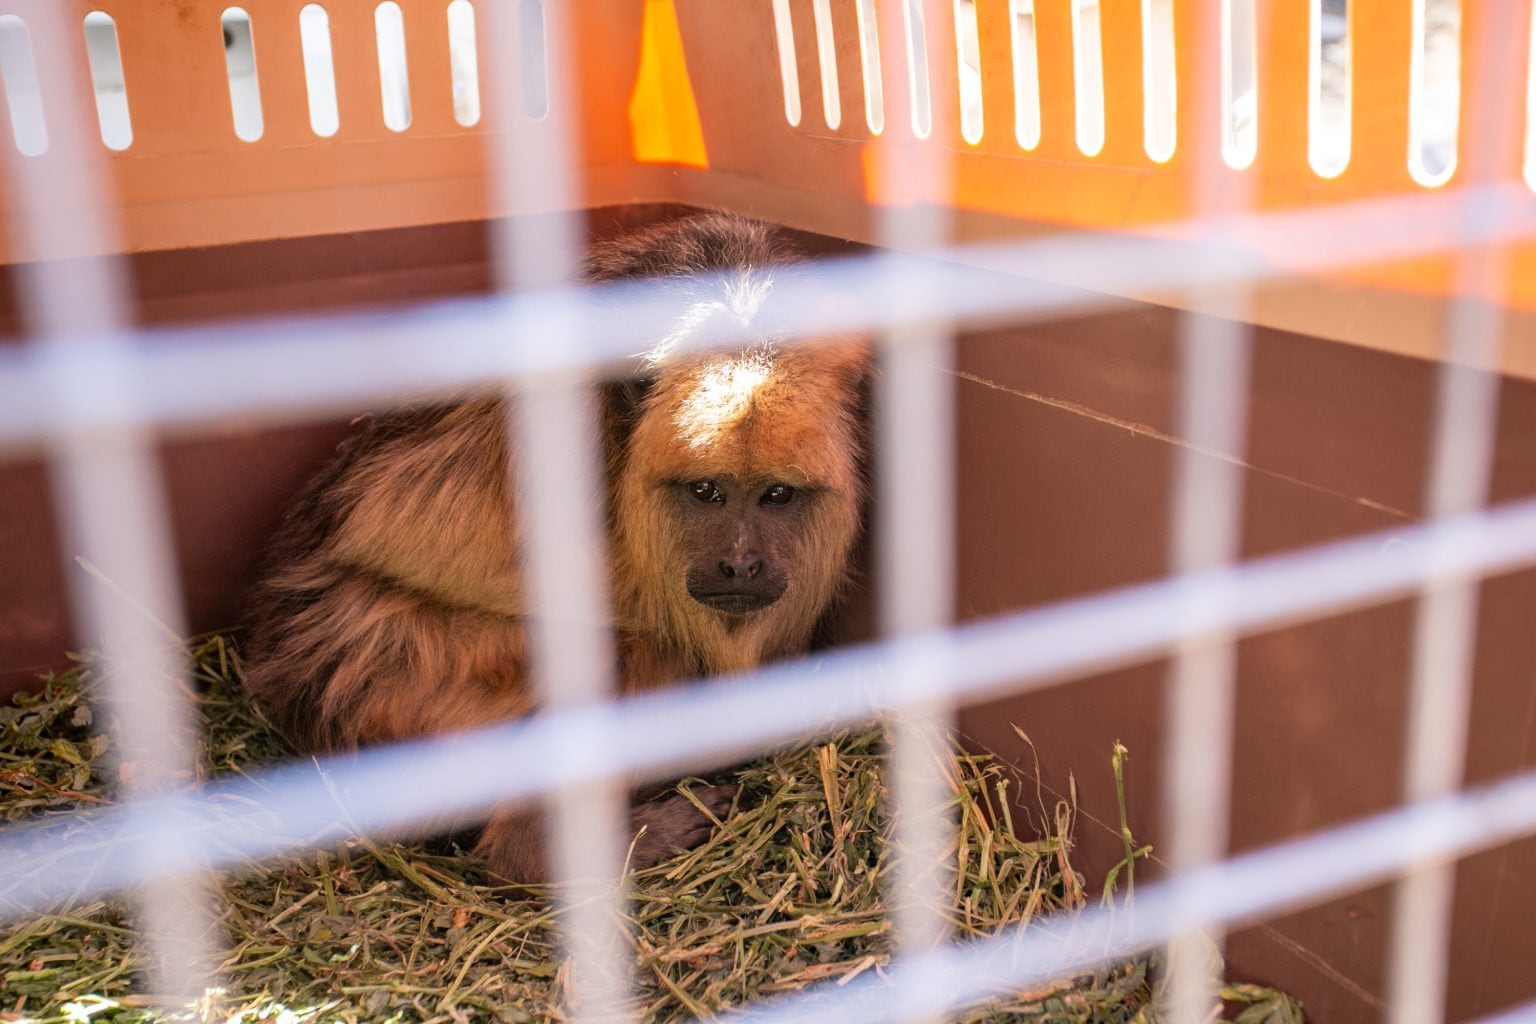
(512, 842)
(665, 826)
(512, 845)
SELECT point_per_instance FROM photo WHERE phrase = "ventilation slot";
(869, 59)
(394, 79)
(826, 52)
(917, 68)
(1434, 91)
(1328, 117)
(535, 59)
(1088, 76)
(18, 71)
(464, 62)
(107, 80)
(784, 28)
(319, 71)
(968, 60)
(240, 62)
(1159, 80)
(1239, 84)
(1026, 75)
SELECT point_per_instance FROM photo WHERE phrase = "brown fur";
(393, 606)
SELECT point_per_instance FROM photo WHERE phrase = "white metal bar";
(914, 498)
(311, 366)
(111, 505)
(1206, 533)
(915, 503)
(555, 466)
(1461, 464)
(662, 734)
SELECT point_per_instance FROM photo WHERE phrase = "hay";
(785, 895)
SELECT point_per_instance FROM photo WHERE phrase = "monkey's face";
(738, 499)
(739, 537)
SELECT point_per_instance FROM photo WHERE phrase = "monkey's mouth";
(734, 602)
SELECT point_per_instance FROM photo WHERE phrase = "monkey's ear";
(622, 400)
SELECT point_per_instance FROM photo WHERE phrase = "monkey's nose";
(730, 570)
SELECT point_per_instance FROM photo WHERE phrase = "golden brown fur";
(393, 606)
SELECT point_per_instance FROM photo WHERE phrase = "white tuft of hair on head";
(738, 297)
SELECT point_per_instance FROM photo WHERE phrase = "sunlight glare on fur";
(722, 398)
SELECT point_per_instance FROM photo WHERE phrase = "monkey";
(392, 604)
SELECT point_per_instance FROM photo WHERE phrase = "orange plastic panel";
(681, 101)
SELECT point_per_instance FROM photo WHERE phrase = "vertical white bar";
(534, 58)
(914, 439)
(559, 490)
(1461, 465)
(914, 431)
(109, 492)
(1206, 524)
(826, 52)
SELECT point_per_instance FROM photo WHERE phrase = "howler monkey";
(392, 605)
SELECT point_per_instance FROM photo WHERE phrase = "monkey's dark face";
(739, 538)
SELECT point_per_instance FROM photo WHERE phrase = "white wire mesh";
(138, 380)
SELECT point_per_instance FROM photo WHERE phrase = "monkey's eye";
(778, 494)
(706, 490)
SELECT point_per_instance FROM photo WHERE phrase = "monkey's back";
(390, 604)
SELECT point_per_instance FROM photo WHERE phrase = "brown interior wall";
(1065, 452)
(1065, 456)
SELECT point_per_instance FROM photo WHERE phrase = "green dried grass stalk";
(786, 894)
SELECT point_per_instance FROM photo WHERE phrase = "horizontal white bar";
(307, 367)
(1522, 1014)
(385, 789)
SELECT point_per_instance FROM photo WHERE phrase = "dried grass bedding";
(787, 894)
